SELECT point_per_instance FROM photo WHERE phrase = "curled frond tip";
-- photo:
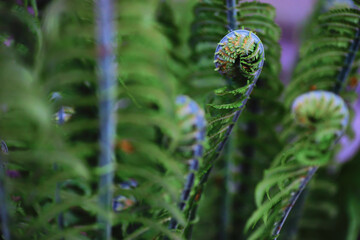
(239, 55)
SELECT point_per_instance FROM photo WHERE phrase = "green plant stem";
(231, 14)
(107, 85)
(227, 195)
(293, 200)
(291, 227)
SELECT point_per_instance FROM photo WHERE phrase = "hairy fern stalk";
(158, 119)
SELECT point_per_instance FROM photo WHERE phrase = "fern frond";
(234, 47)
(254, 156)
(333, 69)
(223, 117)
(234, 58)
(284, 187)
(33, 154)
(192, 122)
(337, 37)
(67, 67)
(209, 25)
(149, 130)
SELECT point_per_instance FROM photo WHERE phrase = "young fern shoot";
(239, 57)
(326, 112)
(322, 117)
(337, 35)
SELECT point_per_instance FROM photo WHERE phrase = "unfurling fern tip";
(240, 54)
(321, 110)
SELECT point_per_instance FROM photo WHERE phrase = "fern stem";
(193, 111)
(189, 183)
(291, 227)
(293, 200)
(227, 194)
(231, 14)
(206, 174)
(345, 71)
(3, 204)
(194, 165)
(107, 85)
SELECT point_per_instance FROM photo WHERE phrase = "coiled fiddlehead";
(239, 56)
(323, 117)
(328, 115)
(254, 157)
(314, 110)
(192, 122)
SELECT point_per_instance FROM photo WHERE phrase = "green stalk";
(107, 74)
(227, 194)
(34, 6)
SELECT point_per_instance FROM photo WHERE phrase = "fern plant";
(168, 120)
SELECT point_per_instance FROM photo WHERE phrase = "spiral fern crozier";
(321, 110)
(239, 57)
(323, 117)
(239, 54)
(325, 113)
